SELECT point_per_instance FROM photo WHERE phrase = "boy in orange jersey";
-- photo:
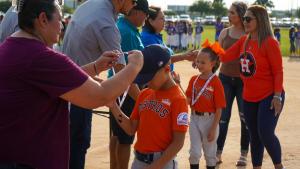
(205, 94)
(160, 115)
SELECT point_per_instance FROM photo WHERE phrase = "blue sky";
(279, 4)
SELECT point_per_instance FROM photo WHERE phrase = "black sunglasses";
(247, 19)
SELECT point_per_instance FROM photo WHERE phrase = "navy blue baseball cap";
(155, 57)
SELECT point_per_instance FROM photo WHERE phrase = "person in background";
(292, 36)
(91, 31)
(219, 27)
(176, 36)
(184, 36)
(9, 24)
(198, 35)
(233, 86)
(37, 83)
(277, 34)
(297, 41)
(151, 34)
(190, 35)
(120, 142)
(261, 70)
(167, 29)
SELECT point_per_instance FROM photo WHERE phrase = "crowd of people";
(49, 85)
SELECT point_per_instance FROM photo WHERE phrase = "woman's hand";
(106, 60)
(135, 58)
(191, 55)
(276, 104)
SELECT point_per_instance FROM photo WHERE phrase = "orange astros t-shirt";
(159, 113)
(261, 69)
(212, 98)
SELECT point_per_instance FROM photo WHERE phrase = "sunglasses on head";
(247, 19)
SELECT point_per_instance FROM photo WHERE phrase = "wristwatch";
(278, 97)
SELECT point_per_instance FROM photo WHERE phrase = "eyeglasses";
(247, 19)
(134, 2)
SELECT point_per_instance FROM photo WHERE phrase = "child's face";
(203, 63)
(159, 79)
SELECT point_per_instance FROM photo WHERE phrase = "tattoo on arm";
(120, 118)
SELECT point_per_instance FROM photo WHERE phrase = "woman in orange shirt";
(262, 74)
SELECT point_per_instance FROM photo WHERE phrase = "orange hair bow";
(216, 47)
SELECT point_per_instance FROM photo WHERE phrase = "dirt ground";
(287, 129)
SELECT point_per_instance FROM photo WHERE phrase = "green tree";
(202, 7)
(4, 5)
(219, 9)
(218, 1)
(265, 3)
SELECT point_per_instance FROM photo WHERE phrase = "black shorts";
(117, 131)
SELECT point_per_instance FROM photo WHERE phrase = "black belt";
(202, 113)
(146, 158)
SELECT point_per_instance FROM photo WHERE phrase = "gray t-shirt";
(9, 24)
(91, 32)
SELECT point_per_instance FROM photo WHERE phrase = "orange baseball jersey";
(159, 113)
(212, 98)
(261, 69)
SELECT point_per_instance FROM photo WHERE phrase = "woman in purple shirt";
(36, 84)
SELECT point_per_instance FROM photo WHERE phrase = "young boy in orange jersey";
(205, 94)
(160, 115)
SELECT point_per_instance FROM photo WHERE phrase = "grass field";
(209, 33)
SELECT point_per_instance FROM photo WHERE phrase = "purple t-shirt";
(34, 121)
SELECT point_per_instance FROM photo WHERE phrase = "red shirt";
(261, 70)
(159, 113)
(211, 99)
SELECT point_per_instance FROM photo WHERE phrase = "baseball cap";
(155, 57)
(142, 5)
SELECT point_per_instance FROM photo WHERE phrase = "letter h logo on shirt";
(247, 64)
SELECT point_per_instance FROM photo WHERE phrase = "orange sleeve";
(135, 115)
(189, 89)
(219, 96)
(180, 118)
(234, 51)
(275, 59)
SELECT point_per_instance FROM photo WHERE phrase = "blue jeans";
(233, 88)
(261, 121)
(80, 135)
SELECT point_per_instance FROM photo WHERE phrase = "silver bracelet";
(277, 97)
